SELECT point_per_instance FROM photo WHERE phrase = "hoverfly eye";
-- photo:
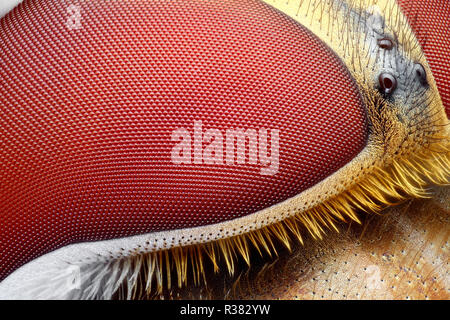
(388, 83)
(420, 73)
(385, 43)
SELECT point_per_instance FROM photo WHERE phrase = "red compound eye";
(88, 111)
(388, 83)
(429, 21)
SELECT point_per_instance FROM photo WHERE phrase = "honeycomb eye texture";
(420, 73)
(385, 43)
(388, 83)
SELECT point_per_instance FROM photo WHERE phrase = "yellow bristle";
(403, 179)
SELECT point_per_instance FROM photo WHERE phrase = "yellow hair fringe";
(405, 178)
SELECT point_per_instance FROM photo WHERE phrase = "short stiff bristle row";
(405, 178)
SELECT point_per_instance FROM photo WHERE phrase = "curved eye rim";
(385, 43)
(387, 83)
(421, 73)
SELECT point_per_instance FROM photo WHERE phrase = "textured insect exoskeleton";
(144, 143)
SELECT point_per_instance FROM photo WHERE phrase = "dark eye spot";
(385, 43)
(387, 82)
(420, 74)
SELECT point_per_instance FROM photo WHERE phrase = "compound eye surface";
(178, 97)
(385, 43)
(387, 82)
